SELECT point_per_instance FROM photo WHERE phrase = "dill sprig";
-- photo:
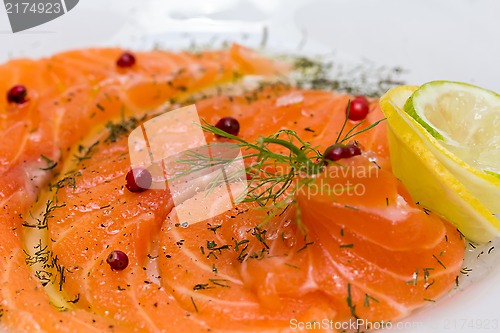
(351, 133)
(50, 163)
(272, 173)
(277, 166)
(124, 127)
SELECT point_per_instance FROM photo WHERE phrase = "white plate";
(449, 39)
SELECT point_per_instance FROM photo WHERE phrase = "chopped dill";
(75, 300)
(366, 303)
(201, 286)
(428, 285)
(42, 223)
(276, 177)
(194, 304)
(243, 255)
(69, 181)
(214, 228)
(237, 244)
(50, 163)
(414, 280)
(439, 261)
(220, 282)
(48, 262)
(292, 266)
(87, 153)
(350, 304)
(426, 273)
(362, 79)
(304, 247)
(466, 270)
(260, 235)
(124, 127)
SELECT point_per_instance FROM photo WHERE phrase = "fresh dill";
(74, 300)
(362, 79)
(439, 261)
(69, 181)
(85, 153)
(275, 176)
(42, 223)
(414, 280)
(194, 304)
(214, 228)
(201, 286)
(214, 249)
(465, 271)
(349, 302)
(427, 273)
(125, 126)
(292, 266)
(220, 282)
(50, 163)
(260, 235)
(366, 302)
(304, 247)
(50, 271)
(238, 243)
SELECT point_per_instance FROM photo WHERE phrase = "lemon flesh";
(464, 123)
(464, 117)
(434, 175)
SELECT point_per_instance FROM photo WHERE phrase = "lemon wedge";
(464, 122)
(437, 178)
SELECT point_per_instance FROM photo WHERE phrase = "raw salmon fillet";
(64, 159)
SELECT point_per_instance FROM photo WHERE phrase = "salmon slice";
(376, 259)
(71, 95)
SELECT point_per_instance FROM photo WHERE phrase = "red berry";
(359, 108)
(339, 151)
(117, 260)
(228, 125)
(138, 180)
(336, 152)
(126, 60)
(17, 94)
(353, 150)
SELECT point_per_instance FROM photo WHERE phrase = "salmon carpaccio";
(63, 160)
